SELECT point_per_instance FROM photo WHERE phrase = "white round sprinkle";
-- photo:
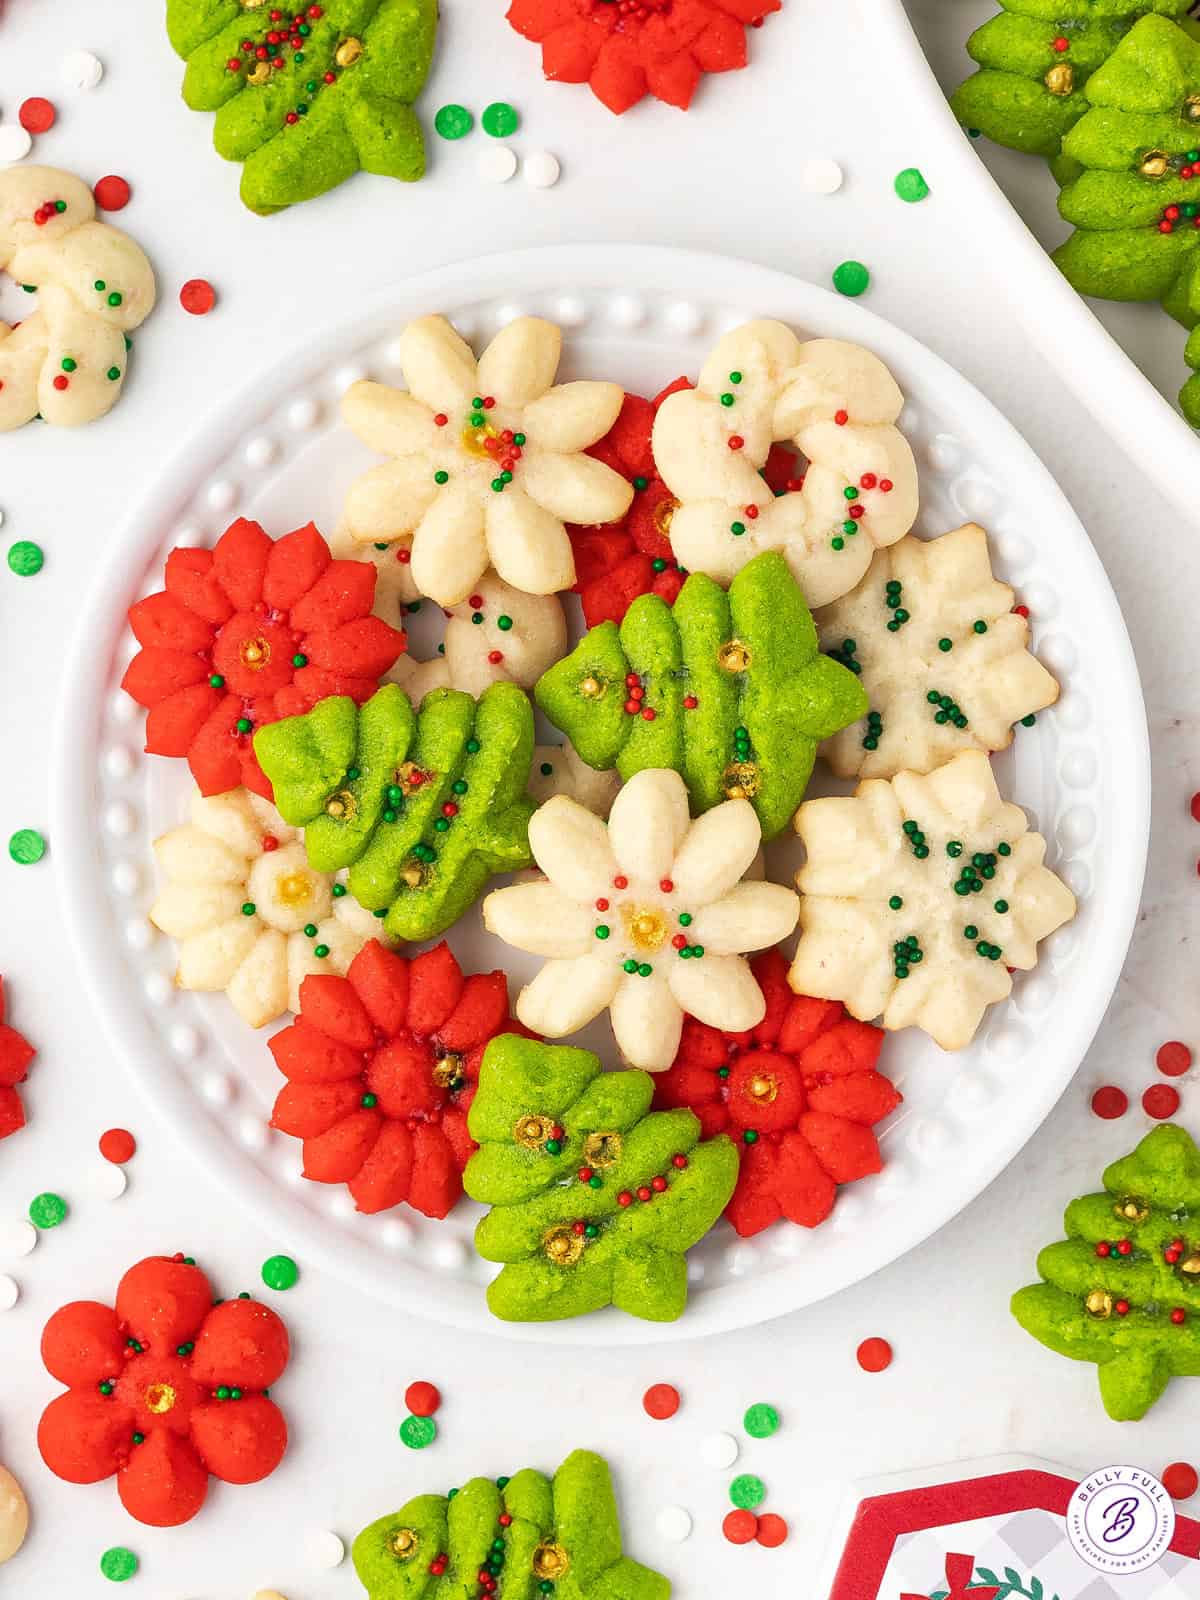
(674, 1524)
(302, 414)
(324, 1549)
(108, 1181)
(261, 451)
(80, 69)
(15, 142)
(158, 989)
(497, 163)
(719, 1450)
(819, 175)
(17, 1238)
(541, 169)
(222, 495)
(9, 1292)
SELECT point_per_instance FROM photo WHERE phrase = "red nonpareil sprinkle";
(666, 885)
(1179, 1316)
(620, 881)
(1124, 1247)
(690, 702)
(197, 297)
(495, 657)
(659, 1184)
(62, 382)
(37, 115)
(1061, 43)
(1180, 1480)
(874, 1355)
(624, 1199)
(679, 1162)
(112, 193)
(1122, 1308)
(1104, 1248)
(648, 713)
(403, 557)
(740, 1527)
(886, 486)
(841, 418)
(269, 842)
(1173, 1058)
(475, 602)
(1109, 1102)
(422, 1399)
(772, 1531)
(118, 1146)
(736, 442)
(645, 1193)
(1160, 1101)
(1021, 611)
(660, 1401)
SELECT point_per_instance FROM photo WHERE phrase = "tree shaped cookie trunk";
(423, 807)
(595, 1200)
(522, 1537)
(729, 690)
(306, 98)
(1123, 1288)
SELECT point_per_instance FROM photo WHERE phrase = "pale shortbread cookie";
(66, 362)
(942, 655)
(838, 404)
(14, 1516)
(559, 769)
(918, 895)
(646, 916)
(488, 459)
(238, 897)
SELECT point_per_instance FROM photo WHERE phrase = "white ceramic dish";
(276, 451)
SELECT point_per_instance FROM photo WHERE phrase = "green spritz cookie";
(543, 1116)
(422, 807)
(535, 1536)
(1123, 1288)
(738, 691)
(328, 95)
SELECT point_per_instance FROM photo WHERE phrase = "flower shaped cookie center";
(564, 1247)
(645, 926)
(763, 1089)
(664, 515)
(448, 1071)
(404, 1543)
(550, 1560)
(255, 653)
(294, 889)
(160, 1398)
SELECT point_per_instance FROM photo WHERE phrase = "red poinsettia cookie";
(15, 1055)
(163, 1390)
(248, 632)
(799, 1095)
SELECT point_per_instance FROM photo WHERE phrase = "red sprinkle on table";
(198, 296)
(772, 1531)
(1180, 1480)
(422, 1399)
(112, 193)
(1160, 1101)
(660, 1401)
(1173, 1058)
(37, 115)
(874, 1355)
(1196, 807)
(740, 1527)
(1110, 1102)
(117, 1145)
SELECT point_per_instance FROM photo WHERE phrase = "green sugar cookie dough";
(746, 1491)
(47, 1210)
(25, 558)
(26, 847)
(851, 278)
(418, 1432)
(453, 122)
(761, 1421)
(118, 1564)
(910, 185)
(535, 1535)
(500, 120)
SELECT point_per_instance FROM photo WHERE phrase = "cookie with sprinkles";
(919, 895)
(66, 361)
(307, 97)
(15, 1055)
(943, 657)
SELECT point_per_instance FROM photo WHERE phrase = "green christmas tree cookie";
(544, 1117)
(422, 807)
(1123, 1288)
(307, 100)
(533, 1536)
(729, 690)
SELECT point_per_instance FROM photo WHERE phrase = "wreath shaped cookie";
(66, 362)
(838, 404)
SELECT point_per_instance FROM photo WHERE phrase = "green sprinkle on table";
(851, 278)
(280, 1272)
(500, 119)
(26, 847)
(118, 1564)
(453, 122)
(47, 1210)
(747, 1491)
(910, 185)
(417, 1432)
(761, 1421)
(26, 558)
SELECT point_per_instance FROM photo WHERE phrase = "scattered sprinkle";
(497, 163)
(9, 1292)
(874, 1355)
(541, 169)
(453, 122)
(1160, 1101)
(47, 1210)
(197, 297)
(761, 1421)
(80, 69)
(324, 1549)
(1180, 1480)
(417, 1432)
(112, 193)
(910, 185)
(17, 1237)
(37, 115)
(1195, 807)
(747, 1491)
(772, 1531)
(851, 278)
(1109, 1102)
(422, 1399)
(280, 1272)
(740, 1527)
(660, 1401)
(118, 1145)
(500, 120)
(673, 1524)
(1173, 1058)
(109, 1182)
(118, 1564)
(25, 558)
(719, 1450)
(15, 143)
(26, 847)
(820, 175)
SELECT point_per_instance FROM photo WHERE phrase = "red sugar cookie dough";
(1180, 1480)
(660, 1401)
(772, 1531)
(198, 296)
(37, 115)
(112, 193)
(874, 1355)
(1110, 1102)
(15, 1055)
(740, 1527)
(1160, 1101)
(422, 1399)
(1173, 1058)
(117, 1145)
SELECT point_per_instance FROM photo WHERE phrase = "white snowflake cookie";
(838, 404)
(559, 769)
(645, 915)
(66, 361)
(249, 914)
(488, 459)
(917, 896)
(944, 659)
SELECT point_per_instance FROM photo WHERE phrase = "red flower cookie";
(382, 1066)
(15, 1055)
(625, 49)
(164, 1390)
(799, 1095)
(245, 633)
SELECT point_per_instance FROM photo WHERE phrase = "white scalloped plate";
(276, 451)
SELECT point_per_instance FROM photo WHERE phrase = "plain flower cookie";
(488, 459)
(941, 653)
(917, 897)
(646, 916)
(249, 914)
(838, 404)
(66, 362)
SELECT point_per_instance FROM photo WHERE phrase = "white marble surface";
(965, 1381)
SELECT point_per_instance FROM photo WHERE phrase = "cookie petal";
(389, 501)
(388, 420)
(719, 990)
(539, 918)
(438, 365)
(519, 365)
(647, 825)
(528, 545)
(573, 416)
(715, 855)
(449, 552)
(567, 994)
(574, 487)
(750, 917)
(571, 846)
(647, 1020)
